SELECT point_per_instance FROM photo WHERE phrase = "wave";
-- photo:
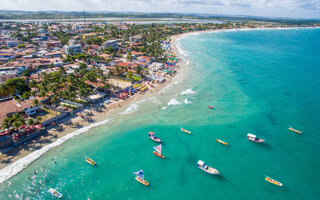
(164, 108)
(16, 167)
(131, 109)
(173, 102)
(186, 101)
(168, 87)
(188, 91)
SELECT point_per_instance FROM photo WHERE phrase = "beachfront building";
(72, 49)
(111, 43)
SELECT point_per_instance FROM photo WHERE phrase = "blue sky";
(272, 8)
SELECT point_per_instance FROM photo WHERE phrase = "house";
(72, 49)
(55, 54)
(11, 43)
(111, 43)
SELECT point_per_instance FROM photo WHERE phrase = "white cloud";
(281, 8)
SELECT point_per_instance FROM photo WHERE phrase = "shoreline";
(20, 157)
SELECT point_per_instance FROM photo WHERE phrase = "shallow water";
(260, 82)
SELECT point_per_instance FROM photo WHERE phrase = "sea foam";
(188, 91)
(173, 102)
(16, 167)
(131, 109)
(186, 101)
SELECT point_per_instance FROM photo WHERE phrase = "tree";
(129, 56)
(21, 46)
(130, 75)
(35, 102)
(25, 73)
(18, 84)
(30, 121)
(38, 120)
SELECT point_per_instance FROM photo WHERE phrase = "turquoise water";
(261, 82)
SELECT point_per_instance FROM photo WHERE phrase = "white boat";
(55, 193)
(254, 138)
(207, 169)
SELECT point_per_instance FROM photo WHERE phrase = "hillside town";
(50, 71)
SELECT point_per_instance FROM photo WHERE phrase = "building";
(111, 43)
(72, 49)
(11, 43)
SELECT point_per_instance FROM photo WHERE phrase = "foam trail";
(131, 109)
(174, 102)
(188, 91)
(16, 167)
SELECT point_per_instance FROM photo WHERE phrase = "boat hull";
(221, 142)
(91, 162)
(157, 154)
(211, 173)
(294, 130)
(270, 180)
(185, 131)
(143, 182)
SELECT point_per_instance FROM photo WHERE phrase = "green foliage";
(109, 50)
(18, 84)
(94, 40)
(21, 46)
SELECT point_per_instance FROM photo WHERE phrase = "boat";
(270, 180)
(140, 177)
(90, 161)
(211, 107)
(157, 151)
(55, 193)
(207, 169)
(185, 130)
(221, 142)
(254, 138)
(294, 130)
(153, 137)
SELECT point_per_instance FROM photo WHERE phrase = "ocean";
(259, 81)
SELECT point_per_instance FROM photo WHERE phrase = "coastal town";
(54, 72)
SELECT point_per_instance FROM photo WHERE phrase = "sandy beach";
(97, 116)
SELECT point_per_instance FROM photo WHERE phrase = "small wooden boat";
(207, 169)
(55, 193)
(185, 130)
(211, 107)
(140, 177)
(153, 137)
(221, 142)
(294, 130)
(90, 161)
(270, 180)
(254, 138)
(158, 150)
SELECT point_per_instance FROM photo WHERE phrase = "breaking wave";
(186, 101)
(131, 109)
(16, 167)
(188, 91)
(173, 102)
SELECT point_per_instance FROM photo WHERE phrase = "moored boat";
(55, 193)
(153, 137)
(140, 177)
(294, 130)
(271, 180)
(254, 138)
(90, 161)
(211, 107)
(221, 142)
(158, 150)
(185, 130)
(207, 169)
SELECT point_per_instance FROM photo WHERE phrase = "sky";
(269, 8)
